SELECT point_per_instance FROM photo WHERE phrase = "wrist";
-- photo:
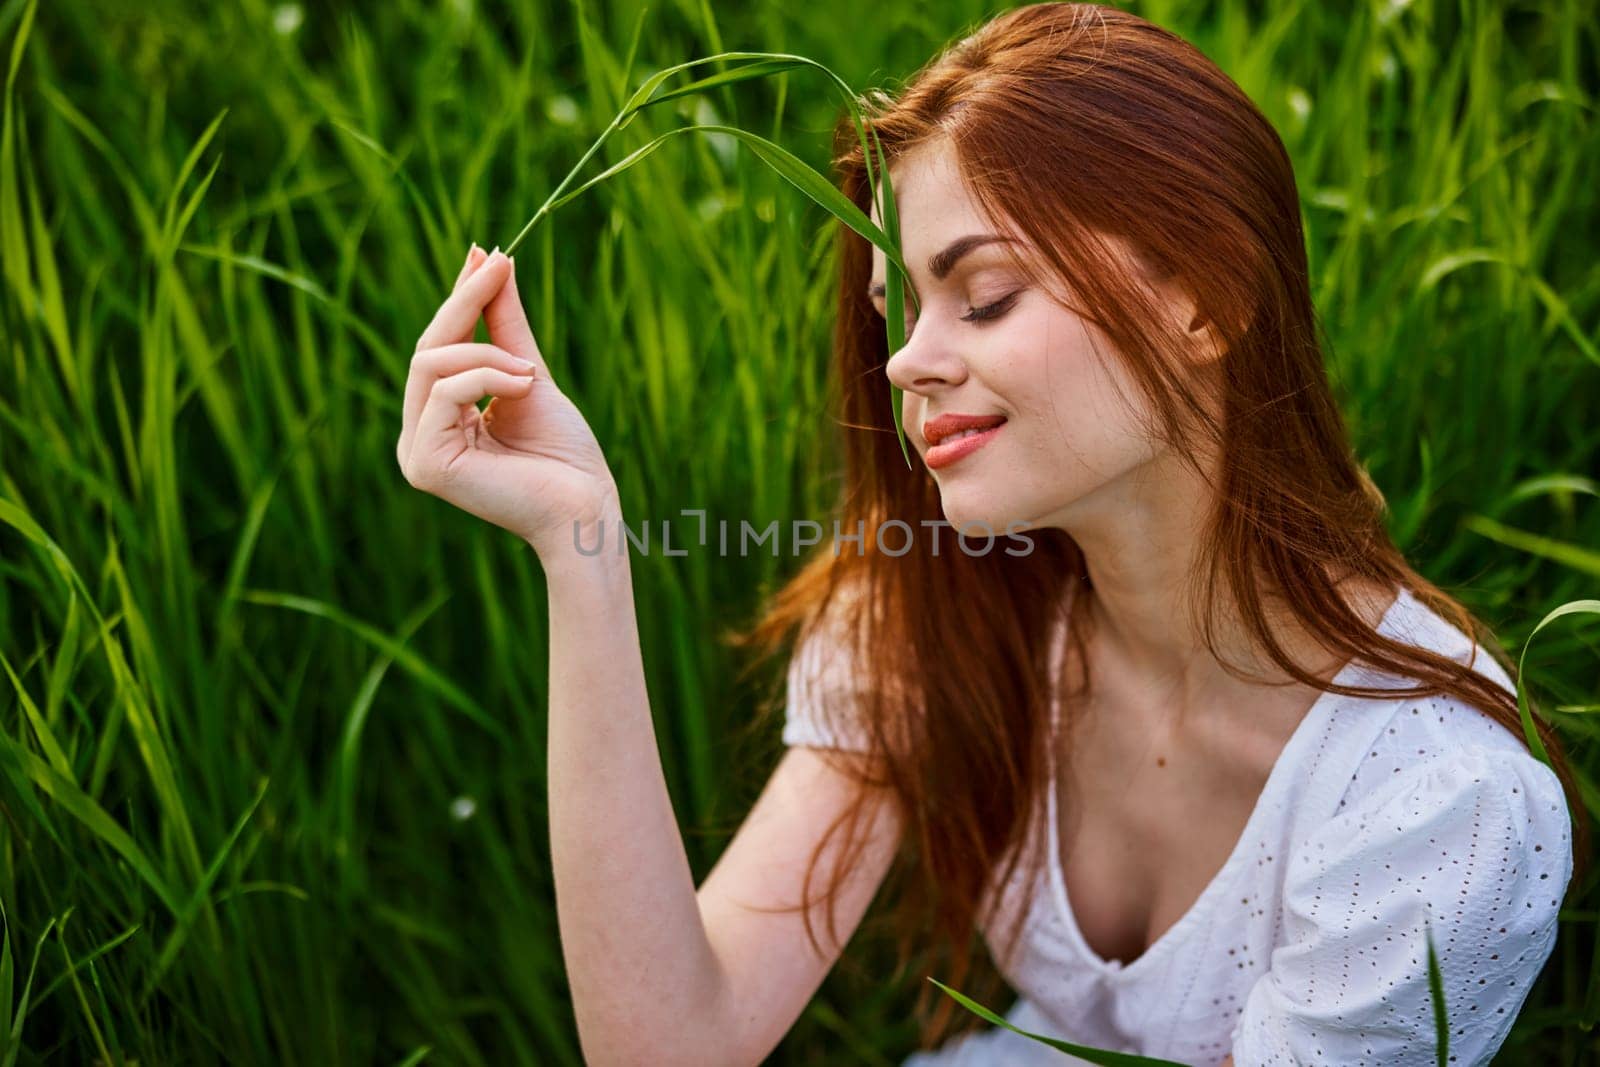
(586, 542)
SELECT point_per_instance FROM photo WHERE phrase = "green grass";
(272, 783)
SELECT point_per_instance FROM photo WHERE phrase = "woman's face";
(986, 343)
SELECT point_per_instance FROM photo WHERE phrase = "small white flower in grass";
(1300, 103)
(1388, 12)
(286, 18)
(562, 110)
(711, 206)
(462, 808)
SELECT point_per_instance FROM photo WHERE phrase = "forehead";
(932, 205)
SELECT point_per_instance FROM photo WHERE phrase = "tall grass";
(273, 772)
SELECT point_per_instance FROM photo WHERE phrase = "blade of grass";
(814, 185)
(83, 808)
(52, 308)
(186, 917)
(828, 196)
(1106, 1057)
(453, 694)
(66, 659)
(41, 729)
(823, 192)
(1575, 607)
(355, 723)
(831, 199)
(83, 1000)
(13, 248)
(132, 701)
(894, 280)
(173, 220)
(13, 1043)
(1575, 556)
(143, 212)
(5, 972)
(54, 983)
(1441, 1024)
(1553, 483)
(766, 63)
(380, 345)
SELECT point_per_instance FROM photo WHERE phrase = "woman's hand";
(528, 462)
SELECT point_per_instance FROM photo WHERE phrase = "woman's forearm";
(642, 971)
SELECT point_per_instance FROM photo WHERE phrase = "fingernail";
(527, 366)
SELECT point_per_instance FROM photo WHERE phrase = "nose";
(927, 363)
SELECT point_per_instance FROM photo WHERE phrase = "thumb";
(508, 324)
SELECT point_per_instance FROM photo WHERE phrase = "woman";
(1199, 753)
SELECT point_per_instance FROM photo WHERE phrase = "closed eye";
(986, 313)
(991, 311)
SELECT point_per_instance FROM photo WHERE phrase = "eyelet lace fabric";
(1380, 818)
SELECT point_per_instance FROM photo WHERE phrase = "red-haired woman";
(1200, 755)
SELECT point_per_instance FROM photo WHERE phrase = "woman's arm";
(659, 972)
(652, 981)
(770, 968)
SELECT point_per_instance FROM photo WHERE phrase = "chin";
(975, 516)
(1009, 514)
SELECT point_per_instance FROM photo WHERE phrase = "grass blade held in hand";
(815, 185)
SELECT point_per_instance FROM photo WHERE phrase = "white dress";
(1308, 945)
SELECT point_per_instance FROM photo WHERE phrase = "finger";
(474, 260)
(439, 429)
(432, 364)
(459, 314)
(508, 323)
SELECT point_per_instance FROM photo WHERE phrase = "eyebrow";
(944, 262)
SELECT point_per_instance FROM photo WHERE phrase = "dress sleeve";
(1478, 840)
(823, 690)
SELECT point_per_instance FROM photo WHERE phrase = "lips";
(936, 430)
(954, 444)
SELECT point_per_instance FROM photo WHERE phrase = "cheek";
(1051, 370)
(1074, 393)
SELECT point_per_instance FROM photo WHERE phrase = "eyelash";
(990, 312)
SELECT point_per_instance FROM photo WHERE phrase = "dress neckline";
(1309, 727)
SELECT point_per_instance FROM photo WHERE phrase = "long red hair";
(1073, 120)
